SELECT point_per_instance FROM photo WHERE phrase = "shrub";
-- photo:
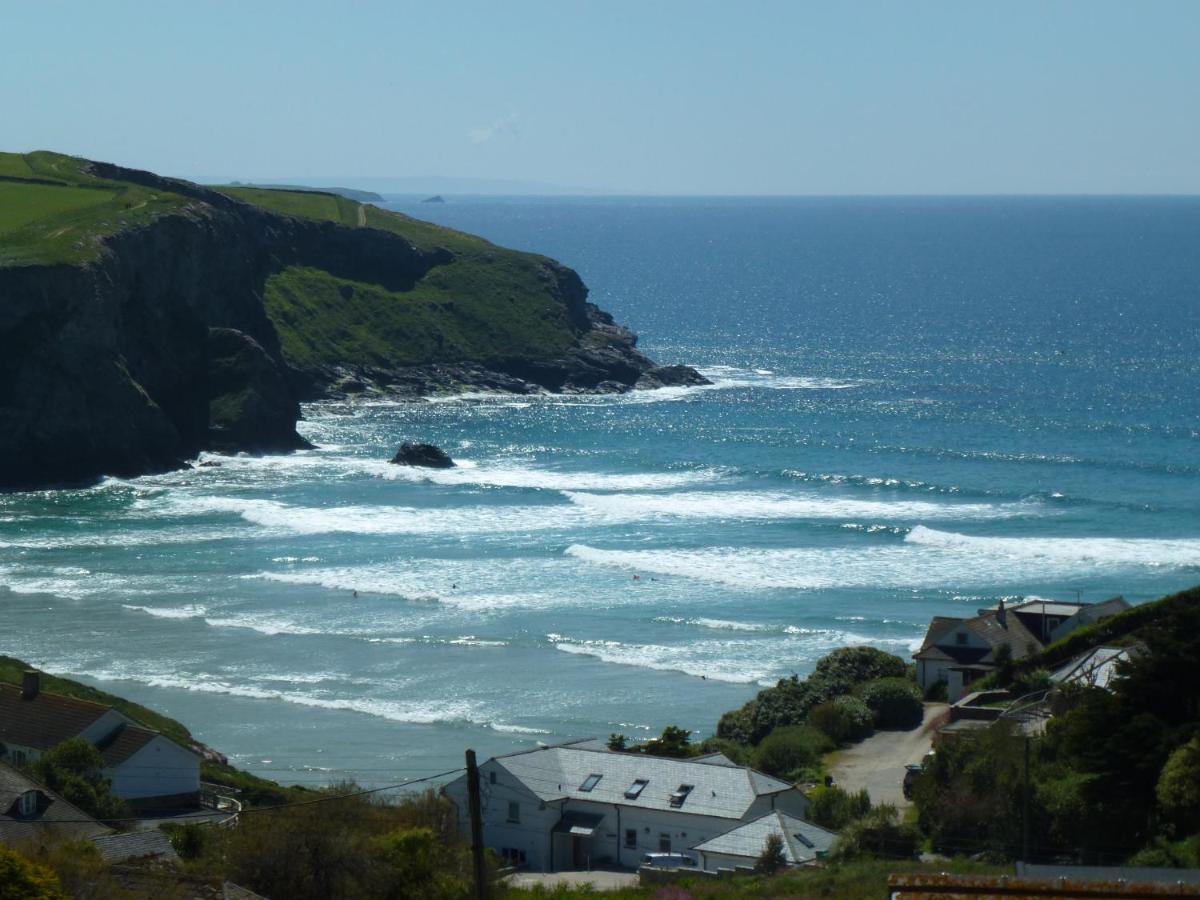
(896, 702)
(845, 719)
(793, 747)
(735, 752)
(834, 808)
(21, 879)
(790, 701)
(938, 692)
(879, 834)
(1178, 788)
(772, 858)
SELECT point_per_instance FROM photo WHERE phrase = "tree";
(22, 879)
(74, 770)
(1178, 788)
(845, 719)
(616, 742)
(772, 859)
(675, 742)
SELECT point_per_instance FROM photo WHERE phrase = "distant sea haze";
(919, 406)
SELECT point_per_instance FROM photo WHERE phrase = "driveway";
(600, 880)
(877, 764)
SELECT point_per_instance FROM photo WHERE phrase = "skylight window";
(802, 839)
(635, 790)
(590, 782)
(681, 794)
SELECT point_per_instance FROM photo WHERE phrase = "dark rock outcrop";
(670, 376)
(424, 455)
(250, 406)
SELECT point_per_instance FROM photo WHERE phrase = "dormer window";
(680, 794)
(960, 638)
(29, 803)
(635, 790)
(590, 782)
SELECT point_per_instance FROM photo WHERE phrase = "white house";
(580, 805)
(803, 842)
(959, 651)
(144, 766)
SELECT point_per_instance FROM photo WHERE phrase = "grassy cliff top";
(486, 302)
(54, 211)
(481, 302)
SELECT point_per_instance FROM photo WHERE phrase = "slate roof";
(801, 840)
(118, 848)
(44, 721)
(720, 790)
(123, 742)
(987, 627)
(52, 809)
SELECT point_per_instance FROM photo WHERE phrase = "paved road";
(600, 880)
(877, 764)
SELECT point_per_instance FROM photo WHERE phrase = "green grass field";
(52, 211)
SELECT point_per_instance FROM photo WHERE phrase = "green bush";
(877, 834)
(834, 808)
(1178, 788)
(793, 747)
(21, 879)
(73, 770)
(845, 719)
(790, 701)
(938, 692)
(896, 702)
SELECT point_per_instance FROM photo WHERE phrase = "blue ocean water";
(920, 406)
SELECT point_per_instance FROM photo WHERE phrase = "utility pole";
(481, 886)
(1025, 811)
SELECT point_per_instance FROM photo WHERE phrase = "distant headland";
(149, 318)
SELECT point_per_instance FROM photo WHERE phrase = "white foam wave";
(533, 477)
(715, 624)
(191, 611)
(447, 712)
(1107, 552)
(778, 505)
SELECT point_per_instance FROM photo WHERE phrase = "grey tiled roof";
(724, 791)
(801, 840)
(153, 842)
(52, 812)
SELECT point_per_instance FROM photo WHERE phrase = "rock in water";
(425, 455)
(670, 376)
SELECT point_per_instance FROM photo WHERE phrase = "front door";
(579, 853)
(664, 843)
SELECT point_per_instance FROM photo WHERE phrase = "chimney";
(1002, 614)
(31, 683)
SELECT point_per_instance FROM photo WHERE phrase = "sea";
(919, 406)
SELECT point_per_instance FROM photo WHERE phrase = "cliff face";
(162, 345)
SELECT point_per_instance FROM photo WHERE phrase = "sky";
(903, 97)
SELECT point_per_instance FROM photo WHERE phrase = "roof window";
(635, 790)
(590, 782)
(680, 794)
(805, 841)
(29, 803)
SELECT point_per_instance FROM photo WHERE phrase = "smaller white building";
(144, 766)
(581, 805)
(803, 842)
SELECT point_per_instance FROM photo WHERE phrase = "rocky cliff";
(160, 335)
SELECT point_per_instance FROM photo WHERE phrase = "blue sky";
(649, 97)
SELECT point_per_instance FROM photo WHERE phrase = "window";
(19, 758)
(680, 794)
(514, 811)
(805, 841)
(29, 803)
(491, 777)
(635, 790)
(960, 638)
(590, 782)
(664, 843)
(631, 838)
